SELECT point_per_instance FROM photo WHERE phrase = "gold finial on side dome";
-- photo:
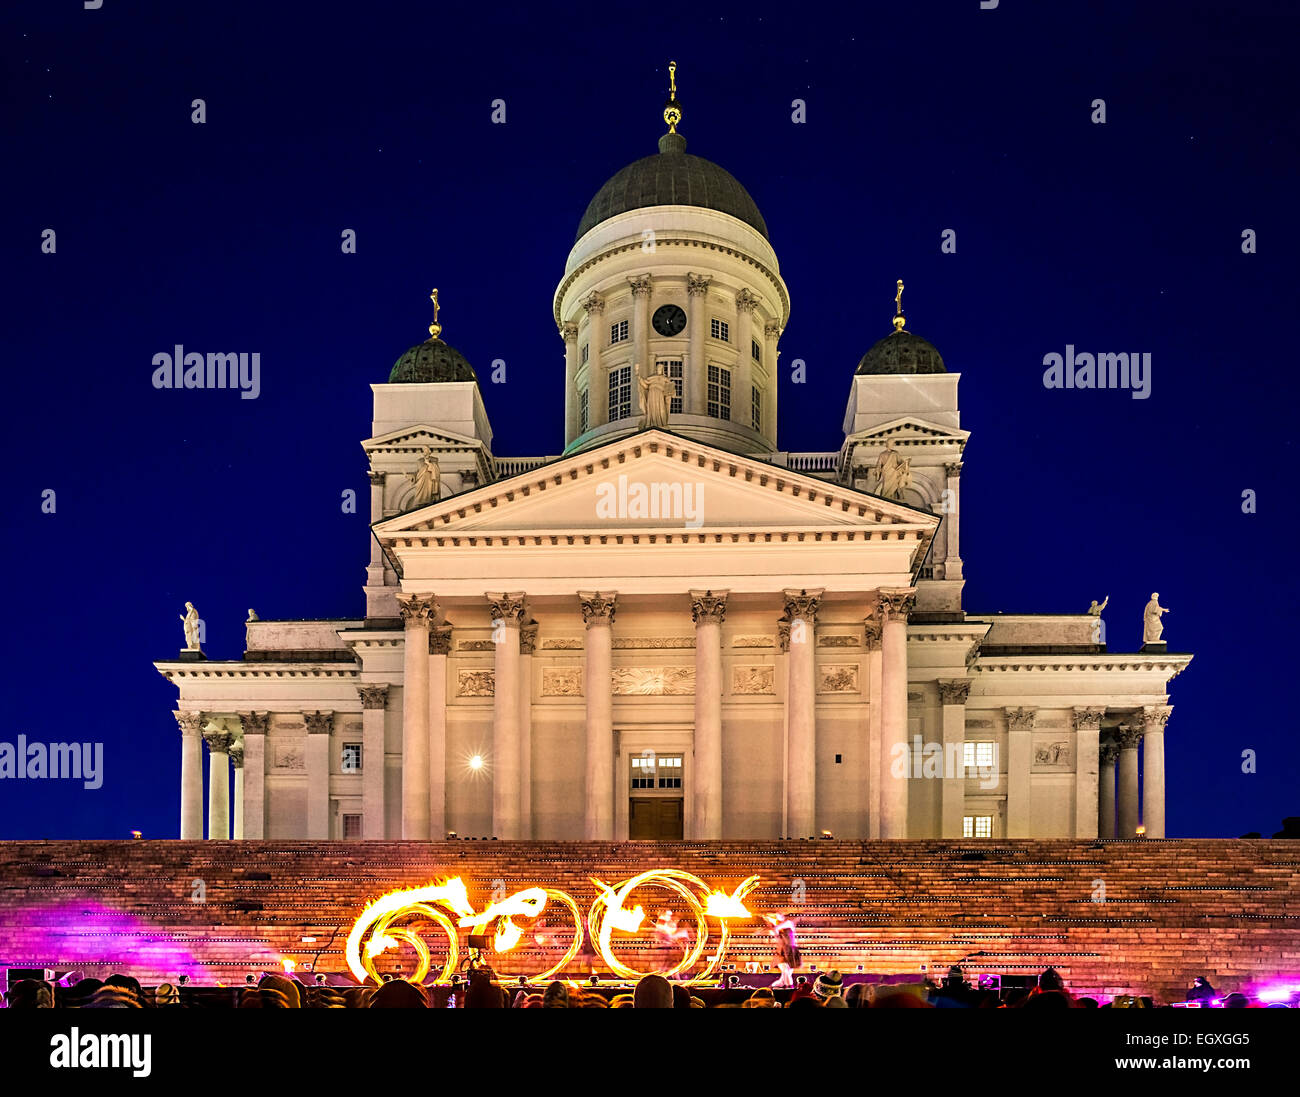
(899, 320)
(435, 329)
(672, 109)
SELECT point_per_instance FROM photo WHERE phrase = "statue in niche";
(657, 392)
(426, 478)
(893, 474)
(1152, 626)
(190, 619)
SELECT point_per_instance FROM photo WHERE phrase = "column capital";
(952, 469)
(440, 640)
(697, 285)
(1154, 717)
(746, 301)
(802, 605)
(319, 723)
(508, 608)
(373, 696)
(1020, 719)
(1088, 718)
(593, 303)
(772, 329)
(872, 630)
(1130, 735)
(237, 756)
(528, 638)
(376, 478)
(1108, 753)
(640, 284)
(417, 609)
(707, 605)
(191, 722)
(597, 608)
(954, 691)
(897, 603)
(218, 739)
(569, 331)
(255, 723)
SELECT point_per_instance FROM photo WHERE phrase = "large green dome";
(430, 362)
(672, 177)
(902, 352)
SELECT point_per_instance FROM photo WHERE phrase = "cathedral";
(673, 629)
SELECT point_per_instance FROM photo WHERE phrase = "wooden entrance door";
(657, 819)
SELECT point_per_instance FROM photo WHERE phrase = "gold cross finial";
(672, 109)
(435, 329)
(899, 321)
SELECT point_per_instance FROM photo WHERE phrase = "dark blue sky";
(920, 117)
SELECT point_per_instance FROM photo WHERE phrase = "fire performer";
(787, 948)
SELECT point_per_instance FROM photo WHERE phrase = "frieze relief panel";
(290, 755)
(626, 642)
(833, 641)
(838, 678)
(562, 643)
(562, 682)
(653, 681)
(753, 681)
(475, 645)
(1051, 753)
(754, 642)
(475, 683)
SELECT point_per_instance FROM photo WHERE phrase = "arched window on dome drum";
(620, 393)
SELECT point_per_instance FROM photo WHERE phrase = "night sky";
(921, 117)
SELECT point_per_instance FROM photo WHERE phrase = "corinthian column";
(527, 645)
(319, 726)
(237, 761)
(952, 521)
(872, 632)
(801, 707)
(374, 704)
(953, 694)
(507, 611)
(1107, 756)
(695, 396)
(641, 366)
(1154, 718)
(597, 410)
(569, 333)
(255, 725)
(895, 607)
(218, 740)
(191, 724)
(439, 649)
(1129, 737)
(708, 610)
(598, 615)
(1020, 735)
(747, 304)
(417, 614)
(1087, 758)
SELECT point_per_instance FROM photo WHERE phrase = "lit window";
(584, 412)
(351, 757)
(755, 351)
(670, 771)
(720, 330)
(618, 331)
(755, 408)
(677, 377)
(719, 392)
(662, 771)
(352, 826)
(620, 393)
(977, 754)
(977, 826)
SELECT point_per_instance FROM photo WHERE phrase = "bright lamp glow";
(476, 762)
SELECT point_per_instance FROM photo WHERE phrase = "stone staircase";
(1137, 916)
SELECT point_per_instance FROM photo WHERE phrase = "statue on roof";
(657, 392)
(190, 620)
(1152, 627)
(1095, 609)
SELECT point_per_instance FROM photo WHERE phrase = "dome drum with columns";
(669, 627)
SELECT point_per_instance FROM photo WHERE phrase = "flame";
(289, 965)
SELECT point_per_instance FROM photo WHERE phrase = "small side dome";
(902, 352)
(433, 361)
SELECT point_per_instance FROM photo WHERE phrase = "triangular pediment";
(909, 427)
(656, 481)
(418, 435)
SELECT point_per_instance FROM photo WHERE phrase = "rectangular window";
(755, 408)
(719, 392)
(755, 351)
(352, 826)
(643, 772)
(720, 330)
(620, 393)
(670, 771)
(351, 758)
(585, 348)
(977, 754)
(584, 412)
(678, 377)
(658, 771)
(618, 331)
(977, 826)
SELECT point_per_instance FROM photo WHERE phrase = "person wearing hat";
(828, 985)
(166, 996)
